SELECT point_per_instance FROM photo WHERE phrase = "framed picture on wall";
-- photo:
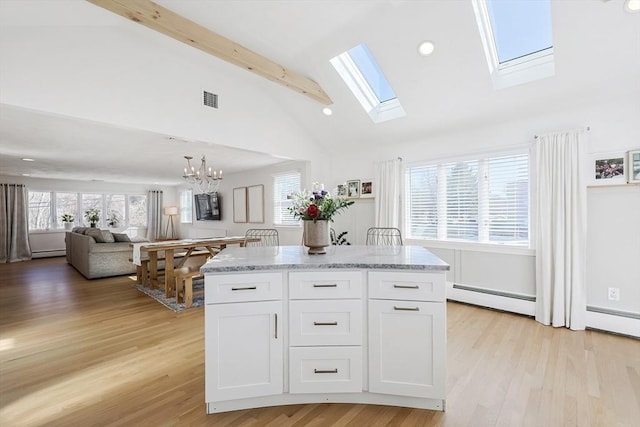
(633, 166)
(366, 189)
(342, 190)
(607, 169)
(353, 189)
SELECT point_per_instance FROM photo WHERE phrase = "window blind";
(284, 185)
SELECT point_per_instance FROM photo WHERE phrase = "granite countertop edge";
(342, 266)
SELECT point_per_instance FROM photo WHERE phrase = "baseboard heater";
(494, 292)
(49, 253)
(614, 312)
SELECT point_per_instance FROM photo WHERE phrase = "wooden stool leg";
(138, 274)
(188, 291)
(144, 267)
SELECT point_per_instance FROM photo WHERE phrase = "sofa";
(99, 253)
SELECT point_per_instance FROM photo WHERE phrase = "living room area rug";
(158, 295)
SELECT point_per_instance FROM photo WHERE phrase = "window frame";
(483, 206)
(281, 203)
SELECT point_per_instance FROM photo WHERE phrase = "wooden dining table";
(212, 245)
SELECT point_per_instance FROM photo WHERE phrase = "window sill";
(477, 247)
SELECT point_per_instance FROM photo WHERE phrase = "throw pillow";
(96, 233)
(107, 236)
(121, 237)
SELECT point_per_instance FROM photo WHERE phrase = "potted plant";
(113, 220)
(93, 216)
(67, 219)
(316, 210)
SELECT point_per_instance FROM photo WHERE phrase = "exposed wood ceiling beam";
(173, 25)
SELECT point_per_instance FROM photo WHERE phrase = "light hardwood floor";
(75, 352)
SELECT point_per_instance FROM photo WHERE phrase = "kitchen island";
(361, 324)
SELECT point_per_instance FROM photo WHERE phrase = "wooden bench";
(142, 270)
(184, 283)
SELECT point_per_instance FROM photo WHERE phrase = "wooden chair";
(267, 236)
(384, 236)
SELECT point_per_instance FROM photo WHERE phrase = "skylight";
(362, 74)
(517, 39)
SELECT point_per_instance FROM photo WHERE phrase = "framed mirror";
(255, 203)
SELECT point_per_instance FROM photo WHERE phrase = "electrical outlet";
(614, 294)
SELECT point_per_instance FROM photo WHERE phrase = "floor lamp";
(170, 211)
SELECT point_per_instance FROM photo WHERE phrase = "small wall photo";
(608, 169)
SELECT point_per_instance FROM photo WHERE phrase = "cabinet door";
(407, 348)
(243, 350)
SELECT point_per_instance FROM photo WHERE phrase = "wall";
(613, 129)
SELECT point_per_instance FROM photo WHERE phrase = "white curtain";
(154, 215)
(387, 192)
(14, 223)
(561, 231)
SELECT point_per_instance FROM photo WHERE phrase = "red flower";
(313, 211)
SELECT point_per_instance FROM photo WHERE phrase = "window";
(138, 211)
(484, 200)
(360, 71)
(39, 210)
(283, 186)
(66, 203)
(93, 201)
(517, 40)
(116, 206)
(186, 207)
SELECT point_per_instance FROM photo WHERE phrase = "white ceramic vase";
(316, 236)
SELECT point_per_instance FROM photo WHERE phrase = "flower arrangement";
(67, 217)
(92, 215)
(317, 204)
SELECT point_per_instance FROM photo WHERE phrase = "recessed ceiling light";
(632, 6)
(327, 111)
(426, 48)
(28, 160)
(26, 174)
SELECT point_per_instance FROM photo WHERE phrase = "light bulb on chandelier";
(206, 179)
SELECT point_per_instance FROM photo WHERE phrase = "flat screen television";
(208, 207)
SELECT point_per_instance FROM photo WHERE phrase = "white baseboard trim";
(498, 302)
(612, 323)
(48, 254)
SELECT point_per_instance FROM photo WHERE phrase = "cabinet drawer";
(242, 287)
(325, 285)
(407, 286)
(335, 322)
(325, 369)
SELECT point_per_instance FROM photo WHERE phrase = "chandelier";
(207, 180)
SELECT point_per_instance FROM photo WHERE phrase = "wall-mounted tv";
(208, 206)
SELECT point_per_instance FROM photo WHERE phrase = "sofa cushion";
(79, 230)
(112, 247)
(97, 235)
(121, 237)
(107, 236)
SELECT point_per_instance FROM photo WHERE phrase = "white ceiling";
(597, 54)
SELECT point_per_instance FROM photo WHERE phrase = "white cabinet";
(243, 341)
(407, 334)
(407, 348)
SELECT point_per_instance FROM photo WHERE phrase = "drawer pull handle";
(395, 307)
(276, 325)
(325, 371)
(248, 288)
(325, 323)
(406, 286)
(335, 285)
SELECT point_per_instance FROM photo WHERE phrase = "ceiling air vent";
(210, 99)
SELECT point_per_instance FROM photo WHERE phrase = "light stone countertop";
(342, 257)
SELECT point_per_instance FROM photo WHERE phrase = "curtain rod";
(588, 128)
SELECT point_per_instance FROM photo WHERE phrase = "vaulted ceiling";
(597, 56)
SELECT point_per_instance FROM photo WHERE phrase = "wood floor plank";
(77, 352)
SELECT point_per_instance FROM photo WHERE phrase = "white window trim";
(536, 66)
